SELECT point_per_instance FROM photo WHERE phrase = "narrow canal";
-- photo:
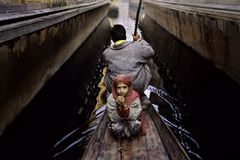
(196, 100)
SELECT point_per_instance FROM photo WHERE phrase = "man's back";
(129, 58)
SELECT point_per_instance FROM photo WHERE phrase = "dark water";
(64, 104)
(169, 109)
(210, 97)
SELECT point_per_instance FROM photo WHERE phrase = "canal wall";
(12, 6)
(62, 107)
(206, 1)
(211, 28)
(31, 51)
(208, 97)
(228, 2)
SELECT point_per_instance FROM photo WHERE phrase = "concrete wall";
(32, 51)
(211, 30)
(205, 1)
(11, 6)
(64, 103)
(203, 89)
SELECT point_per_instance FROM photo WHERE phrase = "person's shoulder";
(106, 50)
(136, 101)
(143, 44)
(135, 93)
(111, 100)
(110, 97)
(143, 41)
(139, 43)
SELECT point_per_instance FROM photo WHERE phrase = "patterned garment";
(123, 129)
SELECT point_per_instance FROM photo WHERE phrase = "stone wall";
(13, 6)
(211, 30)
(231, 2)
(32, 51)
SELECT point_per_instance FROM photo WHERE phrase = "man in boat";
(124, 108)
(130, 58)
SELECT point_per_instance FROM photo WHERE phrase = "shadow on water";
(62, 106)
(73, 145)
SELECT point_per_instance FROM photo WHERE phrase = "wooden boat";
(158, 144)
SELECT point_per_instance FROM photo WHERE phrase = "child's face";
(122, 89)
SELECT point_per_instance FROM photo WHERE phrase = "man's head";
(118, 32)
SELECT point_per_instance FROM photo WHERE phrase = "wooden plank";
(134, 149)
(154, 144)
(110, 148)
(93, 146)
(171, 144)
(158, 144)
(145, 147)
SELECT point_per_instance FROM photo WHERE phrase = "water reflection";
(65, 149)
(174, 121)
(73, 143)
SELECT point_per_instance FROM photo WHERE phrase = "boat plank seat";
(154, 144)
(147, 147)
(109, 149)
(158, 143)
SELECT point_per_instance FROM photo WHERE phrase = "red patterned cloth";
(129, 98)
(131, 95)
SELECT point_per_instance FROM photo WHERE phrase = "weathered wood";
(159, 143)
(154, 144)
(110, 148)
(96, 140)
(171, 144)
(134, 149)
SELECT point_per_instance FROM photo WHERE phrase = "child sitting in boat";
(124, 108)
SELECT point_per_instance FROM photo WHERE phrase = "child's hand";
(120, 100)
